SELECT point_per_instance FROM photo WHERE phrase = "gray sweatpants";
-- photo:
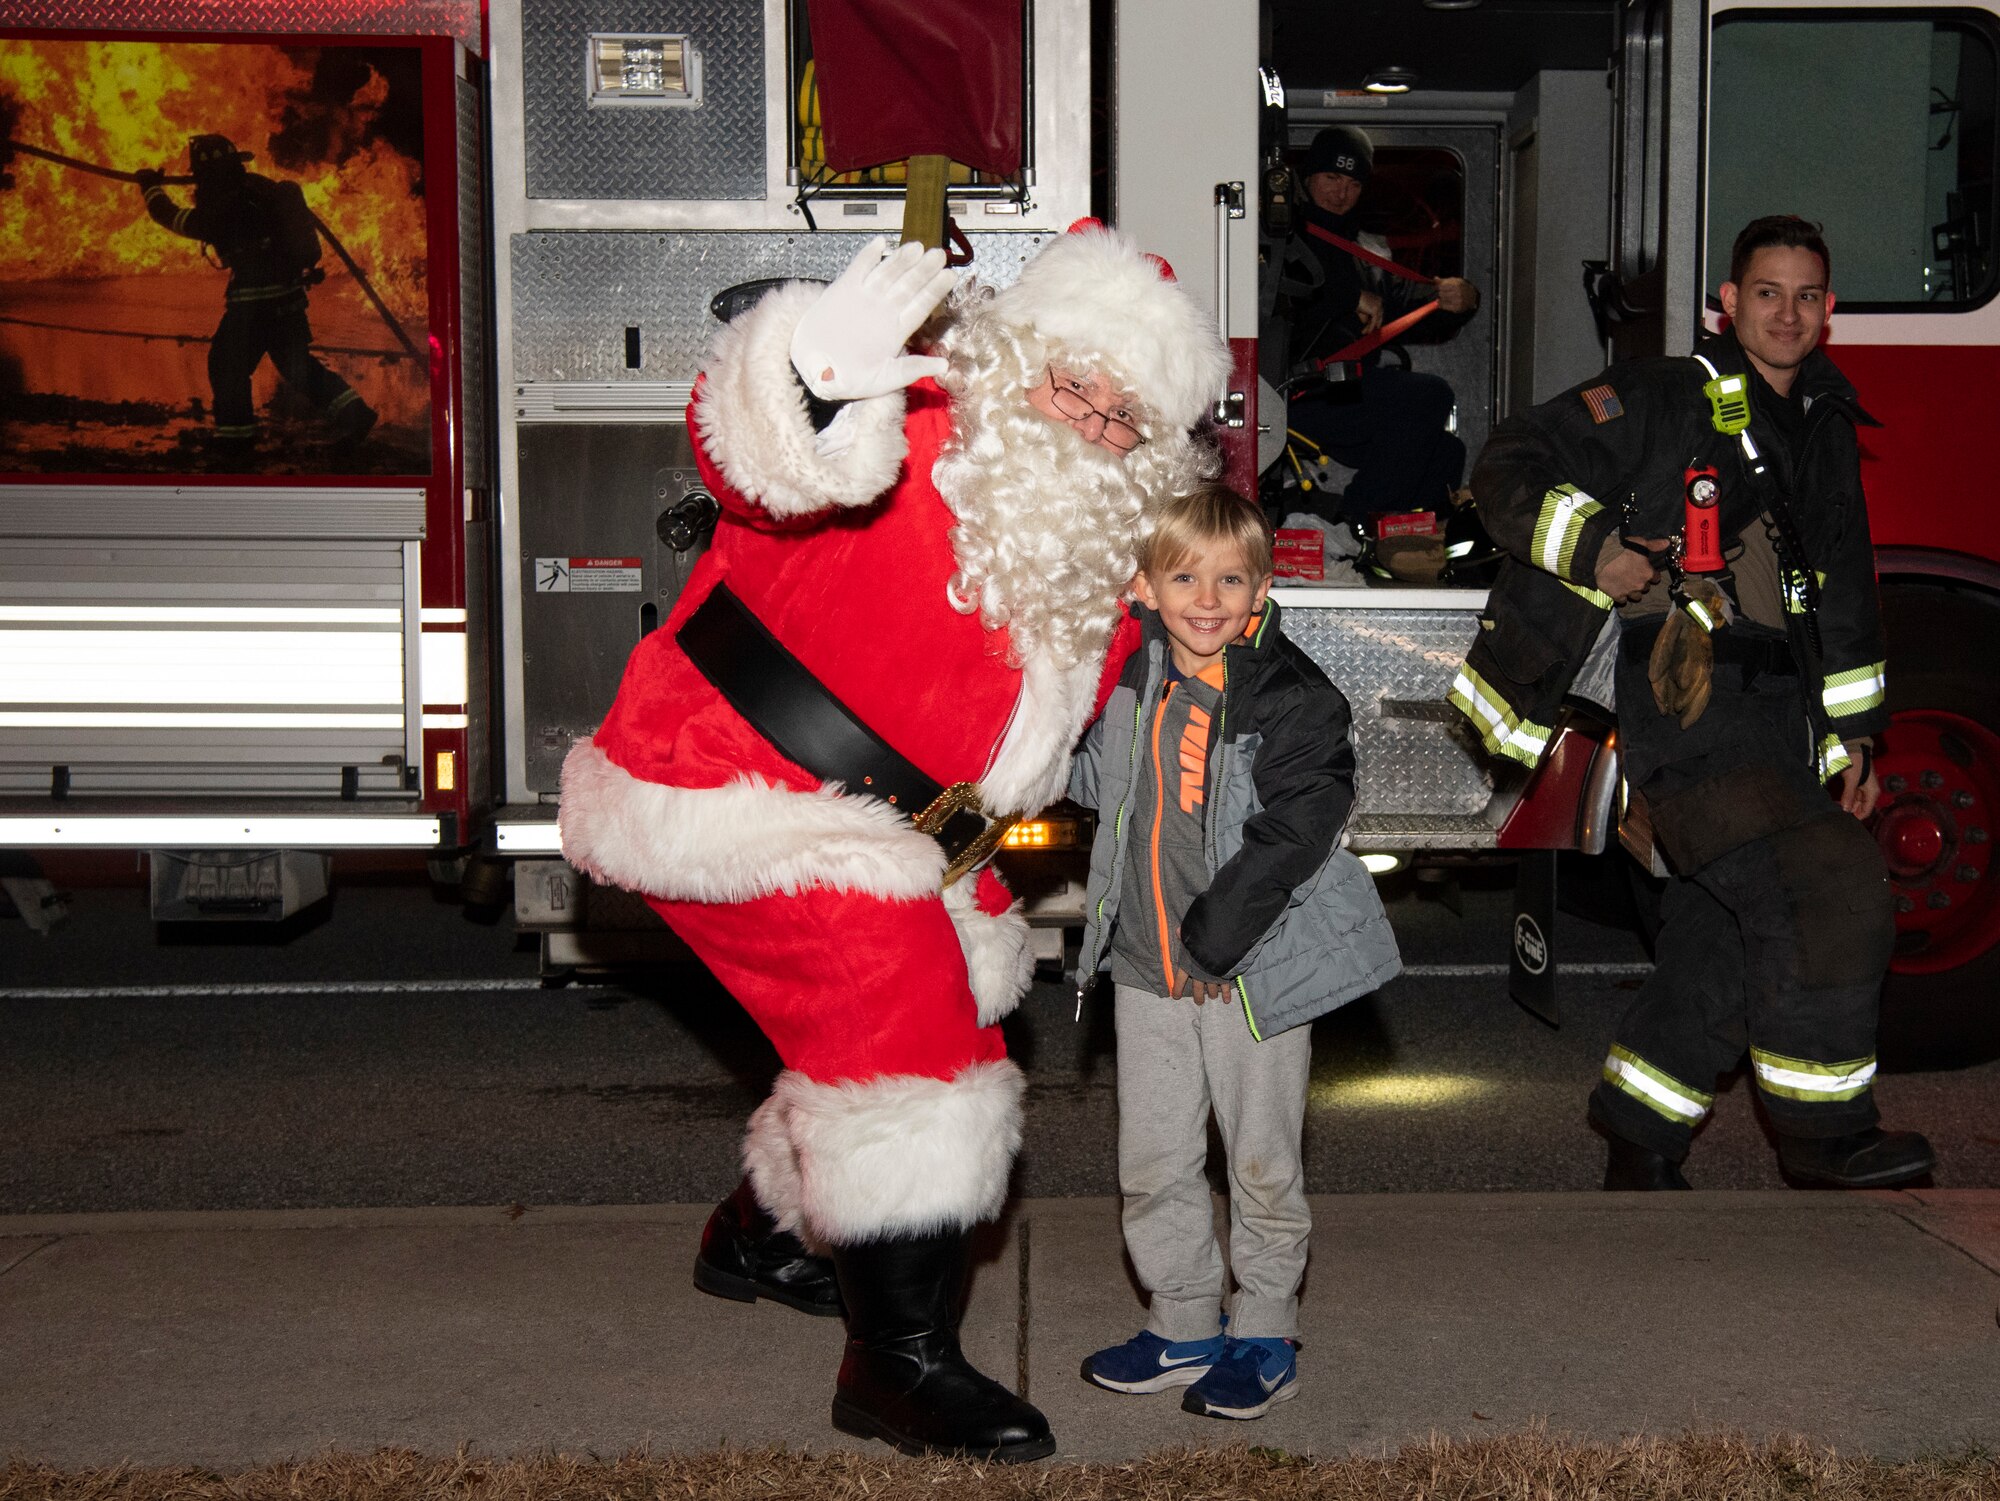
(1176, 1062)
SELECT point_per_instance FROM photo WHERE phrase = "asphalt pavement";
(386, 1052)
(1864, 1322)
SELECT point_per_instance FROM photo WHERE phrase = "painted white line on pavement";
(314, 987)
(462, 987)
(1470, 971)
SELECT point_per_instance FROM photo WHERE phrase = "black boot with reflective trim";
(745, 1256)
(1861, 1159)
(903, 1379)
(1631, 1168)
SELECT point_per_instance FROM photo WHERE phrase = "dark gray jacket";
(1289, 918)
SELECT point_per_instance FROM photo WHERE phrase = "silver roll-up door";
(227, 642)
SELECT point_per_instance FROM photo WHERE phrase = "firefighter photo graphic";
(224, 272)
(1700, 522)
(266, 237)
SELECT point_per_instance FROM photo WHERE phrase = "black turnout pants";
(1392, 434)
(248, 332)
(1776, 927)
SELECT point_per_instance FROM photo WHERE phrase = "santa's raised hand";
(850, 343)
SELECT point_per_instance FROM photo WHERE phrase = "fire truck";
(246, 646)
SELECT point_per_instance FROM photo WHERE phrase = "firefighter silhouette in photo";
(266, 238)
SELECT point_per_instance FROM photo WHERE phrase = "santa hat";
(1119, 313)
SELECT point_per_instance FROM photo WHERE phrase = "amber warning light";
(1041, 834)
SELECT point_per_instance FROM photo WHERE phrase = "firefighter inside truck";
(1362, 264)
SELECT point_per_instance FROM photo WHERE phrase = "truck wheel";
(1939, 762)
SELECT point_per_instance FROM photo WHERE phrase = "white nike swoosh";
(1169, 1365)
(1273, 1384)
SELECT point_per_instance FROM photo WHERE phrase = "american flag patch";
(1603, 403)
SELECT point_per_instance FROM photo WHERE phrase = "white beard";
(1048, 526)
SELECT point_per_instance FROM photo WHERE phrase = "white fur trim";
(998, 961)
(738, 842)
(772, 1166)
(752, 419)
(895, 1155)
(1031, 768)
(1092, 294)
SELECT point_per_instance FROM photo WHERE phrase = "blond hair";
(1210, 513)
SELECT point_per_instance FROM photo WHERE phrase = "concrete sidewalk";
(1868, 1322)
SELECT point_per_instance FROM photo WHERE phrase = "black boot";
(1631, 1168)
(1861, 1159)
(745, 1256)
(903, 1379)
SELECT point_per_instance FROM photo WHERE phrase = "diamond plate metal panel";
(1395, 666)
(386, 18)
(712, 151)
(473, 373)
(576, 292)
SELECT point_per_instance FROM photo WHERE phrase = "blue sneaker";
(1252, 1375)
(1146, 1363)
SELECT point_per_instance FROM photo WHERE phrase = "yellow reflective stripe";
(1833, 758)
(1802, 1079)
(1527, 743)
(1700, 615)
(1855, 690)
(180, 220)
(1501, 730)
(1473, 698)
(1602, 600)
(1559, 526)
(1654, 1087)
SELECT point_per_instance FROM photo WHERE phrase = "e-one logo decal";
(1529, 946)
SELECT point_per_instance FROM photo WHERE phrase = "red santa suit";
(819, 906)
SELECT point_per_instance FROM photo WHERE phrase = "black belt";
(805, 723)
(1757, 655)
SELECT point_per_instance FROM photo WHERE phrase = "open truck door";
(1647, 296)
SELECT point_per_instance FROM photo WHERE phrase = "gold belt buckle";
(963, 797)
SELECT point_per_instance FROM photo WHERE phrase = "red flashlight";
(1703, 551)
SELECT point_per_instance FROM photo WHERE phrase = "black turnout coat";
(1611, 455)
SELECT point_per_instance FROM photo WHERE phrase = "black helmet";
(205, 153)
(1471, 556)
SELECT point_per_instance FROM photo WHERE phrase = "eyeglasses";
(1066, 391)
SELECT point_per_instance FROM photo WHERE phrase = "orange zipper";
(1159, 808)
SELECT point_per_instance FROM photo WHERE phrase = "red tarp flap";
(901, 78)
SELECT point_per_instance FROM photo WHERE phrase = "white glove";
(850, 343)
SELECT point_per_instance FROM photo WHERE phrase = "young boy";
(1223, 776)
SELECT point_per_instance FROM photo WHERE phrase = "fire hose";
(120, 175)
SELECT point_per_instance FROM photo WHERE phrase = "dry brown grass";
(1524, 1467)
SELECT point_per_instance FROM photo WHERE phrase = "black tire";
(1944, 654)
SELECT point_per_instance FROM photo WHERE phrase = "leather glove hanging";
(849, 345)
(1682, 666)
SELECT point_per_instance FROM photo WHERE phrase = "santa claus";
(910, 610)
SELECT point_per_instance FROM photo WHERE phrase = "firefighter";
(264, 236)
(1702, 519)
(1388, 423)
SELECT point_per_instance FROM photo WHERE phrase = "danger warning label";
(587, 575)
